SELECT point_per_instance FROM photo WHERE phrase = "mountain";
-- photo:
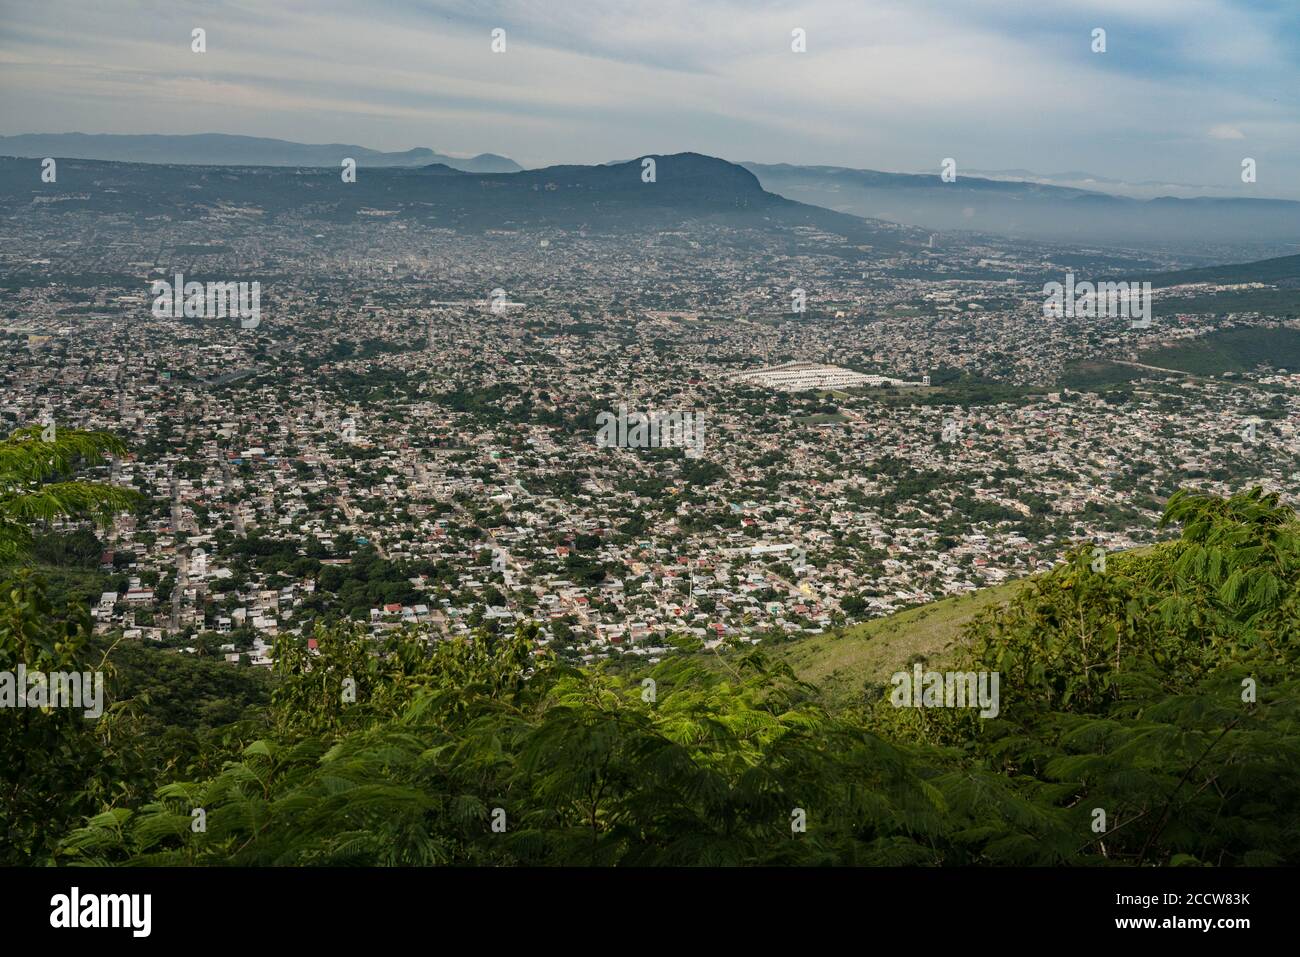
(1032, 210)
(1134, 189)
(221, 149)
(688, 187)
(1283, 271)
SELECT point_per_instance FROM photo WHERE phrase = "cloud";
(1223, 131)
(894, 84)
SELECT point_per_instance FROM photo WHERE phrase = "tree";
(1161, 689)
(36, 483)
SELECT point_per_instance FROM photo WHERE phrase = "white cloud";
(895, 84)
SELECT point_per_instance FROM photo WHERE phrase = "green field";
(965, 392)
(1090, 375)
(823, 418)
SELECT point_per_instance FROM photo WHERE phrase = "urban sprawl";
(395, 444)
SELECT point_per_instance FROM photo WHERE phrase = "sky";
(1185, 90)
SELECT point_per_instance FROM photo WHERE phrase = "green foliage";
(584, 769)
(77, 549)
(54, 768)
(1226, 591)
(35, 483)
(1162, 687)
(1160, 691)
(185, 693)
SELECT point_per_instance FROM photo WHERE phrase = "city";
(722, 450)
(396, 418)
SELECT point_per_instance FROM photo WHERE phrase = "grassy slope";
(841, 662)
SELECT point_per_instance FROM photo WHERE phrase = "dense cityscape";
(409, 434)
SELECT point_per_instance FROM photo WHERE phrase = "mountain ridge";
(1283, 271)
(1032, 210)
(228, 149)
(687, 187)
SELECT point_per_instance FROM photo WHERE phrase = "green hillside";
(1162, 689)
(1279, 302)
(1280, 269)
(1231, 350)
(842, 662)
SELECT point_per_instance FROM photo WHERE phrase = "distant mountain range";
(1134, 189)
(688, 187)
(1032, 210)
(1041, 211)
(221, 149)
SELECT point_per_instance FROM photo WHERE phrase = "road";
(182, 565)
(227, 484)
(1139, 365)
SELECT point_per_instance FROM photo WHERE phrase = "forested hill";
(1282, 271)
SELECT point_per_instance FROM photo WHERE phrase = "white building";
(802, 376)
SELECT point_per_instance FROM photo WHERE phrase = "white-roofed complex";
(801, 376)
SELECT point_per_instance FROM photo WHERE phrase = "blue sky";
(1185, 91)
